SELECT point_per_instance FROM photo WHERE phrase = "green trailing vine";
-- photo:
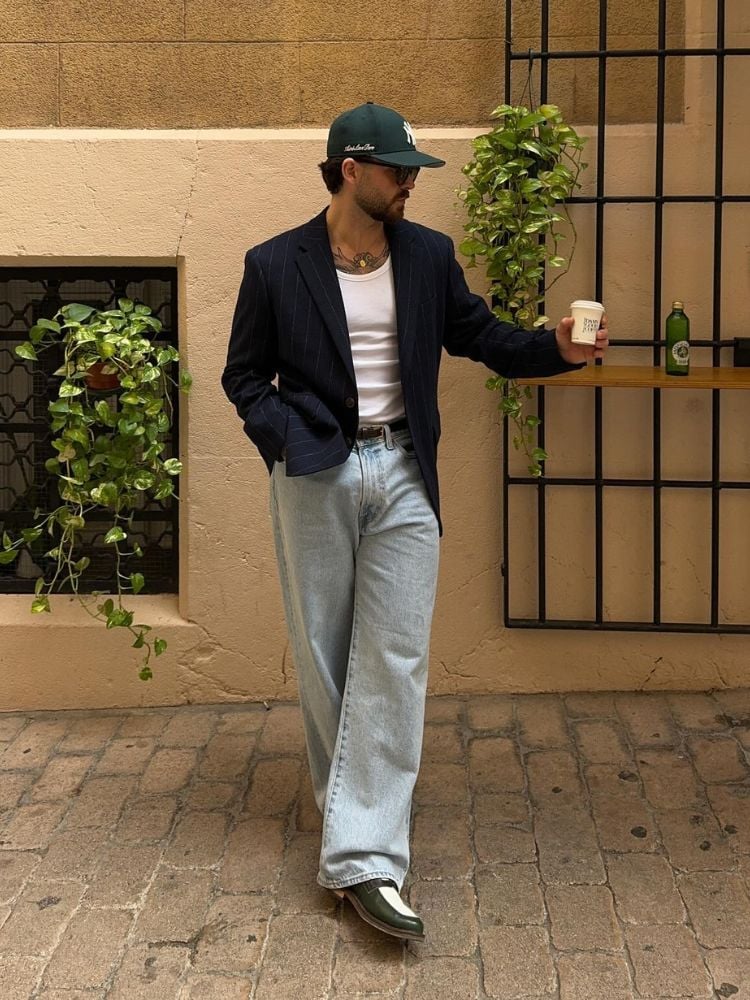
(109, 453)
(521, 174)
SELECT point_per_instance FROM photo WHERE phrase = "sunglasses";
(402, 174)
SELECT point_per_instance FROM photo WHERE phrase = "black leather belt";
(377, 430)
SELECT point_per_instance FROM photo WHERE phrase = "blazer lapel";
(315, 262)
(405, 279)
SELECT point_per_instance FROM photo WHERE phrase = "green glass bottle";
(678, 341)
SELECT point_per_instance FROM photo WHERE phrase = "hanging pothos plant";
(522, 172)
(109, 452)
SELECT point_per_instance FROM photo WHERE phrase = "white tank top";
(370, 304)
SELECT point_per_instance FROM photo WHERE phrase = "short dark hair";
(331, 171)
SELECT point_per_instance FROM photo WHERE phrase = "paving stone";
(122, 874)
(669, 780)
(644, 889)
(541, 721)
(667, 962)
(15, 868)
(718, 759)
(446, 978)
(363, 965)
(100, 802)
(441, 844)
(590, 704)
(90, 733)
(732, 806)
(503, 845)
(442, 784)
(298, 958)
(598, 931)
(730, 970)
(39, 917)
(510, 895)
(150, 972)
(213, 987)
(242, 721)
(693, 840)
(494, 765)
(490, 713)
(308, 817)
(167, 771)
(148, 724)
(12, 787)
(10, 726)
(613, 779)
(227, 756)
(73, 854)
(647, 719)
(624, 823)
(233, 935)
(19, 974)
(697, 711)
(60, 779)
(53, 994)
(443, 708)
(442, 744)
(448, 911)
(32, 746)
(282, 732)
(273, 787)
(594, 976)
(147, 819)
(601, 742)
(175, 906)
(517, 962)
(197, 840)
(253, 856)
(211, 795)
(568, 850)
(30, 827)
(735, 703)
(189, 729)
(126, 756)
(88, 949)
(553, 777)
(492, 808)
(719, 908)
(298, 890)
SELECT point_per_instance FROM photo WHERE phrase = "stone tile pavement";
(564, 847)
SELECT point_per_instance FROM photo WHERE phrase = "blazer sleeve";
(252, 364)
(472, 331)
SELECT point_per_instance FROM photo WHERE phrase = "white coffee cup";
(586, 319)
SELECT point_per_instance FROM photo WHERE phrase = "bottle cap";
(678, 305)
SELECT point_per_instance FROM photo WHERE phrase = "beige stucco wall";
(200, 198)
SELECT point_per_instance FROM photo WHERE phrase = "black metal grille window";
(28, 294)
(717, 490)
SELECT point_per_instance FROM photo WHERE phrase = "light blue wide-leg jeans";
(357, 549)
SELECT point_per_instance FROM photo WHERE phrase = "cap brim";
(406, 158)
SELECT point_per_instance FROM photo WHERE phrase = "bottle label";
(681, 352)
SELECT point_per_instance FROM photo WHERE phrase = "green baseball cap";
(379, 134)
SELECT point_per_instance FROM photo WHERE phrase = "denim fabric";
(357, 549)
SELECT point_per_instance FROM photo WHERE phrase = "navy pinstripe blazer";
(290, 321)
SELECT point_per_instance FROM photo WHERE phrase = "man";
(352, 311)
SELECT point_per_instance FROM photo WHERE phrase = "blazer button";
(349, 401)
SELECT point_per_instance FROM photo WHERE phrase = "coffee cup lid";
(586, 304)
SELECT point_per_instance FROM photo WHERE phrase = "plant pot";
(97, 381)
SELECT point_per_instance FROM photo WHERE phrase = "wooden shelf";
(647, 377)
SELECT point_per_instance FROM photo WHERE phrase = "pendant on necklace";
(362, 259)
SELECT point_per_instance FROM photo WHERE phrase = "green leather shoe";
(378, 902)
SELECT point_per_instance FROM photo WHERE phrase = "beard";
(379, 208)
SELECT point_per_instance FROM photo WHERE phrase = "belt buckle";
(370, 431)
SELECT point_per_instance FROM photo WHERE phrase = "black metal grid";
(28, 294)
(598, 483)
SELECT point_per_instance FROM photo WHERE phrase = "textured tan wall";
(236, 64)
